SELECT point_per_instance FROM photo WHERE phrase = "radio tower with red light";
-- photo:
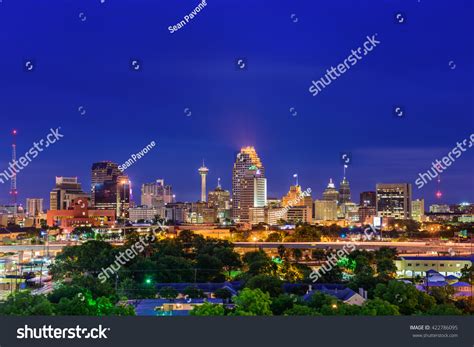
(438, 193)
(13, 190)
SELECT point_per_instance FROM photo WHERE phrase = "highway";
(412, 247)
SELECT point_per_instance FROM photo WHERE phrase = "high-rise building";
(65, 191)
(299, 214)
(110, 188)
(394, 200)
(248, 184)
(344, 191)
(418, 209)
(34, 207)
(331, 193)
(367, 199)
(296, 197)
(102, 172)
(325, 210)
(367, 214)
(219, 200)
(156, 194)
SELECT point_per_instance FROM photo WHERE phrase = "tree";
(258, 262)
(194, 292)
(379, 307)
(229, 258)
(223, 293)
(281, 251)
(297, 254)
(274, 237)
(208, 309)
(136, 290)
(26, 304)
(466, 273)
(405, 296)
(301, 310)
(282, 303)
(268, 284)
(90, 257)
(252, 302)
(442, 295)
(168, 293)
(444, 310)
(85, 305)
(210, 269)
(173, 269)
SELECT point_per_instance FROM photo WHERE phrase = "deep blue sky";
(87, 63)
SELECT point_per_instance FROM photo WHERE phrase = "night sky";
(82, 53)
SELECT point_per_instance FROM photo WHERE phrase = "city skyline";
(317, 195)
(197, 103)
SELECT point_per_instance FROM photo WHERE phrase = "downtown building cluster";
(109, 202)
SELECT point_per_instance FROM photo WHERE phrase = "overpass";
(410, 247)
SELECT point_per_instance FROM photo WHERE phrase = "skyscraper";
(156, 194)
(65, 191)
(203, 171)
(418, 209)
(331, 193)
(219, 200)
(34, 207)
(249, 186)
(104, 177)
(344, 191)
(325, 210)
(394, 200)
(367, 199)
(110, 188)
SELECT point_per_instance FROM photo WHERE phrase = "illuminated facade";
(418, 209)
(78, 215)
(110, 188)
(156, 194)
(65, 191)
(325, 210)
(344, 191)
(331, 193)
(249, 186)
(394, 200)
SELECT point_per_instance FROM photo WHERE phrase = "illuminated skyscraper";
(331, 193)
(249, 185)
(418, 209)
(156, 194)
(344, 191)
(34, 207)
(394, 200)
(110, 188)
(66, 190)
